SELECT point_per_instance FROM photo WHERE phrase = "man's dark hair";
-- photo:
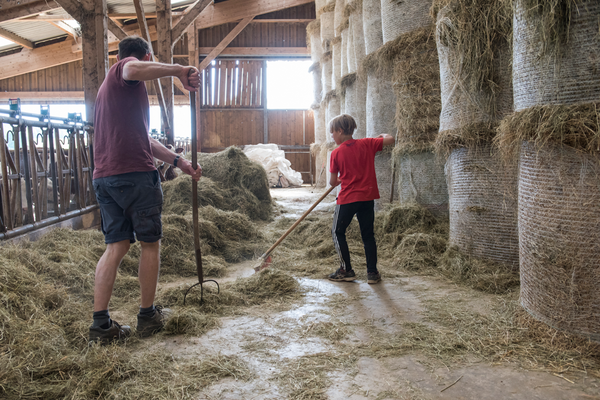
(133, 46)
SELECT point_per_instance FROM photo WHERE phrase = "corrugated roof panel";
(33, 31)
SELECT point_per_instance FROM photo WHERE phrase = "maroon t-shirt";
(121, 141)
(355, 162)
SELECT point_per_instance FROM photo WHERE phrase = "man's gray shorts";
(130, 205)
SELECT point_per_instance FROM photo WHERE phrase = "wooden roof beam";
(235, 10)
(188, 18)
(74, 8)
(225, 42)
(116, 29)
(16, 38)
(66, 28)
(260, 51)
(26, 8)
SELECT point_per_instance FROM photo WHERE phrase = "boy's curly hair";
(343, 122)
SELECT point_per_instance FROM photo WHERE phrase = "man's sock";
(148, 312)
(101, 319)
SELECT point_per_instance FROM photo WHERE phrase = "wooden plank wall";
(223, 128)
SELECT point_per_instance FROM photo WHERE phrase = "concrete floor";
(269, 340)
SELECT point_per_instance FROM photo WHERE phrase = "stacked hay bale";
(473, 40)
(353, 90)
(555, 126)
(409, 36)
(336, 48)
(380, 103)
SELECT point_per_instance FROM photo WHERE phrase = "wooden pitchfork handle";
(296, 223)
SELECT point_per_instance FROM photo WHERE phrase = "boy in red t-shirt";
(354, 161)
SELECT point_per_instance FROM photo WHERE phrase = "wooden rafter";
(225, 42)
(188, 18)
(258, 51)
(16, 38)
(116, 30)
(74, 8)
(27, 9)
(66, 28)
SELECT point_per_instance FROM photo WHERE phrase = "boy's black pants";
(365, 213)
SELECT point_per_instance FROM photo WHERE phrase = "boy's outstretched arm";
(387, 139)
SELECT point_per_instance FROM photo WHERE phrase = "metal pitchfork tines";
(195, 206)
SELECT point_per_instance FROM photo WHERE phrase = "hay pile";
(230, 181)
(46, 291)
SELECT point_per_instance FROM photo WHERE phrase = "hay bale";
(380, 105)
(564, 69)
(336, 56)
(483, 205)
(416, 77)
(400, 17)
(559, 215)
(372, 25)
(317, 85)
(313, 40)
(344, 52)
(352, 66)
(333, 110)
(356, 106)
(340, 6)
(358, 35)
(320, 125)
(327, 30)
(421, 181)
(326, 74)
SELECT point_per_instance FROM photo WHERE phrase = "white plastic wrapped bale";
(279, 171)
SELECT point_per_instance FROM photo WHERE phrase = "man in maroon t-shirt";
(354, 161)
(127, 184)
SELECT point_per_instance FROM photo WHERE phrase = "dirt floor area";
(348, 341)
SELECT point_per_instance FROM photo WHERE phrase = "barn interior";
(486, 224)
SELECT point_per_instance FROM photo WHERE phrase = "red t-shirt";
(121, 140)
(355, 162)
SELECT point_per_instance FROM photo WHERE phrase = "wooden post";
(165, 55)
(95, 51)
(263, 92)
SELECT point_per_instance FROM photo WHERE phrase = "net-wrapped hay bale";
(400, 17)
(356, 102)
(356, 23)
(483, 205)
(320, 124)
(559, 220)
(344, 52)
(319, 4)
(476, 91)
(320, 142)
(380, 105)
(315, 70)
(352, 67)
(333, 110)
(327, 30)
(372, 25)
(421, 181)
(554, 68)
(340, 6)
(417, 88)
(326, 73)
(313, 39)
(336, 56)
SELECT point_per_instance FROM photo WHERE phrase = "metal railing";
(46, 167)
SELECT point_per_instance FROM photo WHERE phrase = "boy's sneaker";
(148, 326)
(341, 275)
(374, 278)
(113, 333)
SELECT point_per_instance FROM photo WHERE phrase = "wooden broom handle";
(297, 222)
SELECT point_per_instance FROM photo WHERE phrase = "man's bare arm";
(147, 71)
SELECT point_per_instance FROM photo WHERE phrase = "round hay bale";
(483, 205)
(372, 25)
(385, 178)
(559, 240)
(327, 31)
(356, 24)
(555, 53)
(400, 17)
(340, 5)
(336, 56)
(344, 53)
(317, 85)
(320, 125)
(417, 89)
(319, 4)
(356, 106)
(326, 74)
(380, 105)
(421, 181)
(313, 36)
(333, 110)
(352, 66)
